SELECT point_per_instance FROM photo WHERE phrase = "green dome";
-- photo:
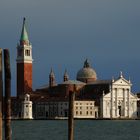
(86, 73)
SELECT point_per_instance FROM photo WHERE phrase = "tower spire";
(65, 77)
(129, 80)
(51, 78)
(121, 74)
(24, 35)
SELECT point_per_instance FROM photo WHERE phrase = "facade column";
(124, 92)
(128, 96)
(111, 115)
(116, 105)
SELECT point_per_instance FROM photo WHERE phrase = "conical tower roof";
(52, 73)
(66, 76)
(24, 35)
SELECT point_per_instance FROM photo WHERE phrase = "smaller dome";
(86, 74)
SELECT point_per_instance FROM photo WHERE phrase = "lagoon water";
(84, 130)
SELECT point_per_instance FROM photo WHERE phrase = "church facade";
(120, 101)
(93, 99)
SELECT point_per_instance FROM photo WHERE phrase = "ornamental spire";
(52, 73)
(51, 78)
(129, 80)
(121, 74)
(24, 35)
(66, 76)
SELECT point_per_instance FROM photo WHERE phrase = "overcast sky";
(64, 33)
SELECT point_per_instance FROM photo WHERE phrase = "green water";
(84, 130)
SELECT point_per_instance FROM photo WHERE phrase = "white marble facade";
(27, 108)
(120, 102)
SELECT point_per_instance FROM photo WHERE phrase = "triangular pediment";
(107, 95)
(122, 81)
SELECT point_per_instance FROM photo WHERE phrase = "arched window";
(27, 52)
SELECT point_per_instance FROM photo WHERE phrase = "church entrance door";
(120, 111)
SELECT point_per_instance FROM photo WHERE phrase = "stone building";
(59, 109)
(94, 98)
(26, 108)
(119, 102)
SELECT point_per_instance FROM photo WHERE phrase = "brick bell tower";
(24, 63)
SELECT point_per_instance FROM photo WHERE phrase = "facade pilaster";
(128, 102)
(111, 108)
(116, 105)
(124, 92)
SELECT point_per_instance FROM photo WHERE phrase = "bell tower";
(24, 63)
(51, 78)
(66, 76)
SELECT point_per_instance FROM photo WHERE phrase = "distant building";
(59, 109)
(85, 109)
(94, 98)
(119, 101)
(26, 109)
